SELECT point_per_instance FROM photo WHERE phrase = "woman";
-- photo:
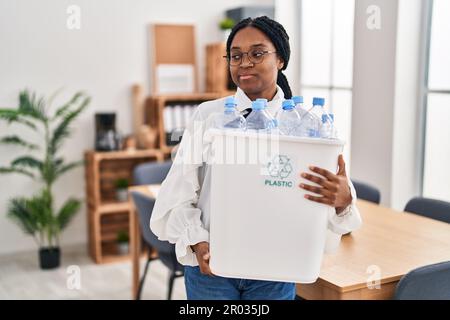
(257, 51)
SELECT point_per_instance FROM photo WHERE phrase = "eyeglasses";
(255, 56)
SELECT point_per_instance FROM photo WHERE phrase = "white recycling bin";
(261, 226)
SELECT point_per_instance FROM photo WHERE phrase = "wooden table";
(387, 246)
(135, 236)
(369, 262)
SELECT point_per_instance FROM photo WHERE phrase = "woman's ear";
(280, 64)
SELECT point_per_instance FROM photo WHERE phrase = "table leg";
(135, 250)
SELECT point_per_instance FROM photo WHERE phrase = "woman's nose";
(245, 62)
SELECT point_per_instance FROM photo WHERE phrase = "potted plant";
(37, 216)
(122, 242)
(122, 189)
(226, 25)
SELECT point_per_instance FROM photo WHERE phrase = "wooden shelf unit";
(107, 216)
(218, 78)
(154, 112)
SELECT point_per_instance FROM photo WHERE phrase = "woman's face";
(256, 80)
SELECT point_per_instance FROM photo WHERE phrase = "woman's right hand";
(201, 251)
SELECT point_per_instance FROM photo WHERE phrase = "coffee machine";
(106, 136)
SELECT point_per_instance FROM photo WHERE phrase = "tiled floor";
(21, 278)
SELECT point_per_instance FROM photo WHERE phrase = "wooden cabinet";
(154, 114)
(218, 77)
(106, 215)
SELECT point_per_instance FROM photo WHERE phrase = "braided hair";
(280, 39)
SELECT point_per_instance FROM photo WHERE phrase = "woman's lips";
(246, 76)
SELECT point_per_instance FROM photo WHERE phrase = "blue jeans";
(204, 287)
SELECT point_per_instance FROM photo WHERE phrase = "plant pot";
(49, 258)
(123, 248)
(122, 195)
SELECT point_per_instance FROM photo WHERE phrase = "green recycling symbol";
(280, 167)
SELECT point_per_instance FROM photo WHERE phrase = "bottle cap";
(297, 99)
(288, 104)
(318, 101)
(258, 105)
(230, 102)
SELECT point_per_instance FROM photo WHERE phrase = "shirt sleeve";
(175, 217)
(339, 224)
(350, 219)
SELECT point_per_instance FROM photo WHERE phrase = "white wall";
(410, 65)
(287, 13)
(104, 58)
(373, 96)
(386, 113)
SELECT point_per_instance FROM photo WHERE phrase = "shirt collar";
(243, 102)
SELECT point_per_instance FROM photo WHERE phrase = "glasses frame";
(264, 52)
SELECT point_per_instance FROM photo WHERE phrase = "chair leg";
(141, 283)
(171, 280)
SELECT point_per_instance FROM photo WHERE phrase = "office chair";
(152, 173)
(366, 192)
(431, 208)
(166, 250)
(431, 282)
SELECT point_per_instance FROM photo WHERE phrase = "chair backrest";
(366, 192)
(144, 206)
(166, 250)
(151, 172)
(425, 283)
(431, 208)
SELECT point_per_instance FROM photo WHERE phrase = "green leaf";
(227, 23)
(16, 170)
(62, 130)
(27, 161)
(12, 115)
(63, 109)
(49, 170)
(19, 212)
(9, 114)
(33, 215)
(16, 140)
(58, 162)
(30, 105)
(69, 166)
(41, 207)
(67, 212)
(122, 236)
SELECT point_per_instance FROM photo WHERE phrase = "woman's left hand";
(333, 190)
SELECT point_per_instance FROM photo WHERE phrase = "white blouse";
(182, 209)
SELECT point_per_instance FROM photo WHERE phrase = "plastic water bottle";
(312, 120)
(288, 119)
(266, 112)
(298, 100)
(317, 108)
(309, 126)
(230, 118)
(259, 120)
(327, 129)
